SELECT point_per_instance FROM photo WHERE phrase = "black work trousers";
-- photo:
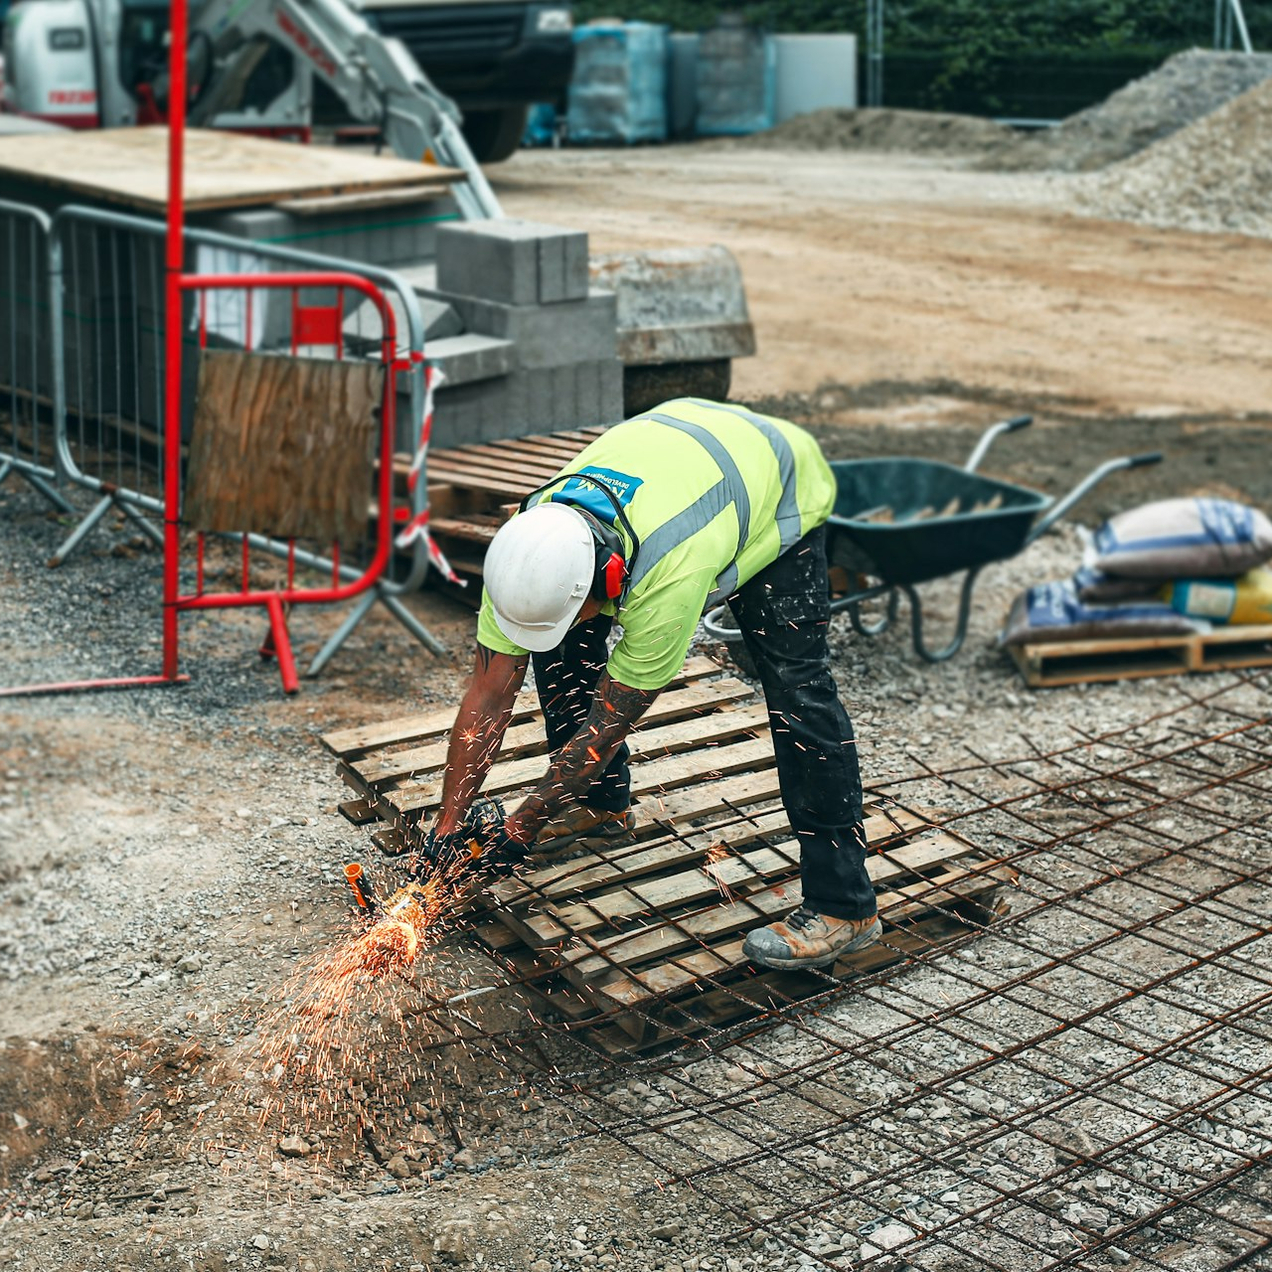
(784, 613)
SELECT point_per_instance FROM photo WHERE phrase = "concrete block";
(562, 267)
(513, 262)
(256, 224)
(546, 335)
(538, 400)
(401, 234)
(469, 357)
(440, 319)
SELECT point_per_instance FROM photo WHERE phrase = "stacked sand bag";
(1167, 568)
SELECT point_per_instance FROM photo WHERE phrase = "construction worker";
(658, 519)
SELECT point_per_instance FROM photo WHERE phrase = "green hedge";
(1035, 58)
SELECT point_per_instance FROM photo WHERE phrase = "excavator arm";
(374, 75)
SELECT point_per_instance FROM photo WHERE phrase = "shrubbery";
(960, 54)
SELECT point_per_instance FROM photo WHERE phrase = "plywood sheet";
(283, 446)
(222, 169)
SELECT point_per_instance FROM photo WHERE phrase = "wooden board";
(638, 943)
(1085, 661)
(222, 169)
(255, 414)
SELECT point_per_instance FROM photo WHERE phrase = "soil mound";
(1182, 90)
(882, 129)
(1214, 175)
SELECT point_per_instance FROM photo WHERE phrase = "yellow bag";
(1246, 600)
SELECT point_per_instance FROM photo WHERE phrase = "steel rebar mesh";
(1085, 1081)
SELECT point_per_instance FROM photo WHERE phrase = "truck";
(493, 58)
(256, 66)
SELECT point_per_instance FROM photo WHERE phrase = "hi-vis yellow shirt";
(715, 493)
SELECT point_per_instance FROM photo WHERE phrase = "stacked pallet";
(1076, 662)
(639, 943)
(472, 490)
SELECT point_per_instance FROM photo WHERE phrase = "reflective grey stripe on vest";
(673, 532)
(731, 489)
(789, 519)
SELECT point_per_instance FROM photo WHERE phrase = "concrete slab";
(465, 358)
(545, 335)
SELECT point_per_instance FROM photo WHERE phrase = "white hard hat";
(538, 572)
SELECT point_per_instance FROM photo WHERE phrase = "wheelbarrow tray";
(911, 548)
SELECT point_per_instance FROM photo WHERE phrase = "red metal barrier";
(310, 325)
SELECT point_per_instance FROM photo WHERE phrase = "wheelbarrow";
(901, 522)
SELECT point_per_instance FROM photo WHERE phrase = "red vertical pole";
(174, 261)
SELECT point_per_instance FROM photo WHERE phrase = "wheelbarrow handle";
(1086, 485)
(990, 435)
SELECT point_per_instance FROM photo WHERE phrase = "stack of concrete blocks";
(539, 349)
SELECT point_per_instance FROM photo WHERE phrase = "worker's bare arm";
(615, 710)
(478, 732)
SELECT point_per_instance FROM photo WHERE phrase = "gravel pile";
(880, 129)
(1183, 89)
(1215, 175)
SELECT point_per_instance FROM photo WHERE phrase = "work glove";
(481, 845)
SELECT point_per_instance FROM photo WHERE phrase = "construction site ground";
(169, 857)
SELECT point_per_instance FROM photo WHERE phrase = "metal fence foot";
(280, 639)
(81, 531)
(343, 632)
(37, 483)
(414, 626)
(144, 524)
(55, 497)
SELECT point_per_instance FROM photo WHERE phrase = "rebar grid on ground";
(1083, 1080)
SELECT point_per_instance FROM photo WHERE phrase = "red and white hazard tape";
(417, 527)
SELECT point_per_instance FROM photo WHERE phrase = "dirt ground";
(168, 859)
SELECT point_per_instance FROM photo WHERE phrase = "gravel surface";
(170, 859)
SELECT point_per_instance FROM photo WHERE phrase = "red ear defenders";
(609, 578)
(610, 574)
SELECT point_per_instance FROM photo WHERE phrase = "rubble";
(1214, 176)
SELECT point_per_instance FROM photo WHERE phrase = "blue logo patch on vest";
(583, 494)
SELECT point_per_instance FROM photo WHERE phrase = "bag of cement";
(1094, 587)
(1183, 538)
(1053, 611)
(1241, 601)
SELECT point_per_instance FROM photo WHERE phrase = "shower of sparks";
(358, 1037)
(711, 861)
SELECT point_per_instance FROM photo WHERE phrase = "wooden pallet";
(1076, 662)
(640, 942)
(473, 489)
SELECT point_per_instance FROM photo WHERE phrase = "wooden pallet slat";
(528, 738)
(649, 779)
(402, 730)
(589, 958)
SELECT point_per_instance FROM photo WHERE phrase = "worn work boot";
(582, 822)
(807, 939)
